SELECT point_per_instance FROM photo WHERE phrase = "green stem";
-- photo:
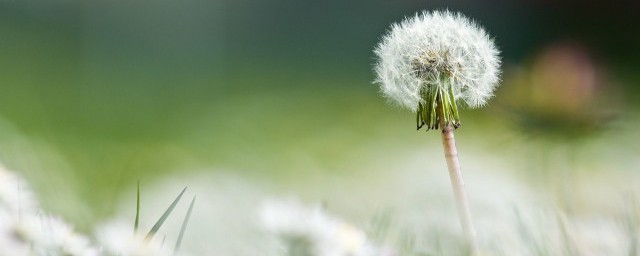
(457, 184)
(437, 97)
(454, 107)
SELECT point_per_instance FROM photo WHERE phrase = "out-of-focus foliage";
(96, 95)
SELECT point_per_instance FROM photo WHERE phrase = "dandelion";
(429, 63)
(432, 61)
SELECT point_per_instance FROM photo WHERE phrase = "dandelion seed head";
(432, 49)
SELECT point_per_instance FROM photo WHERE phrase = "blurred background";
(96, 95)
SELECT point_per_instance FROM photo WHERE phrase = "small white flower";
(321, 234)
(26, 230)
(436, 58)
(48, 235)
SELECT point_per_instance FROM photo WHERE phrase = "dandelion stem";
(457, 183)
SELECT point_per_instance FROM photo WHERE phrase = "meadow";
(268, 114)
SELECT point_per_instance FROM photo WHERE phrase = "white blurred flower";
(118, 238)
(437, 53)
(25, 230)
(319, 233)
(48, 235)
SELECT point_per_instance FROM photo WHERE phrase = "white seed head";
(432, 49)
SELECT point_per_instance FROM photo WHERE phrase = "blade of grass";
(184, 226)
(164, 217)
(135, 225)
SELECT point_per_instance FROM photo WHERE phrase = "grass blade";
(135, 225)
(184, 226)
(164, 216)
